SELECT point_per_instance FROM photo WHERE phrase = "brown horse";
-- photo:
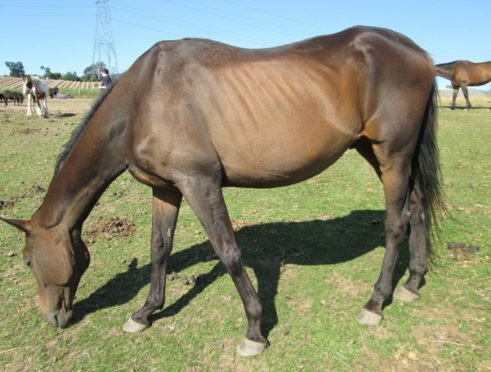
(463, 74)
(192, 116)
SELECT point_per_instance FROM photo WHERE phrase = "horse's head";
(57, 258)
(27, 85)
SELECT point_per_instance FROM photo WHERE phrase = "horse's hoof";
(250, 348)
(133, 327)
(368, 317)
(405, 295)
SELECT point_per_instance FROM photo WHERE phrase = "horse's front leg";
(29, 98)
(206, 199)
(39, 109)
(165, 208)
(44, 107)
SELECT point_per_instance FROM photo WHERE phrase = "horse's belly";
(265, 161)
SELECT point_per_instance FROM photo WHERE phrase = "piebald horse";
(192, 116)
(35, 88)
(463, 74)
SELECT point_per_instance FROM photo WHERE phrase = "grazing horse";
(16, 97)
(192, 116)
(35, 88)
(463, 74)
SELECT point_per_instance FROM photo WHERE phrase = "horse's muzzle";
(58, 318)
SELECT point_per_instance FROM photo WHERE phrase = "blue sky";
(60, 34)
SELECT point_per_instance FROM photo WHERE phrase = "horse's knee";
(232, 260)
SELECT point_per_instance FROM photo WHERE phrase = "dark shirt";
(106, 81)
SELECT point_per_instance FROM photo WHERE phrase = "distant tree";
(50, 75)
(72, 76)
(47, 72)
(16, 69)
(91, 72)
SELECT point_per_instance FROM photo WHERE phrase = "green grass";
(313, 249)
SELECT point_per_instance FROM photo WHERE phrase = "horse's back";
(274, 116)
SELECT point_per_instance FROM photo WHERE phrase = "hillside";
(16, 83)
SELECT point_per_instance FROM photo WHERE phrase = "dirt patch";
(4, 204)
(347, 286)
(461, 251)
(28, 130)
(112, 227)
(34, 190)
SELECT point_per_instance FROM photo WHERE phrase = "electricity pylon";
(104, 47)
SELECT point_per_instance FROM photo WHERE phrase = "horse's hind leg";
(454, 96)
(466, 95)
(418, 249)
(395, 178)
(165, 209)
(206, 199)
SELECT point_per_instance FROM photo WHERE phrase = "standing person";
(105, 78)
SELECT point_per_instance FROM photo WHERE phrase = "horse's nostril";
(55, 320)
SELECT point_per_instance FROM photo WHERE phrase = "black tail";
(426, 173)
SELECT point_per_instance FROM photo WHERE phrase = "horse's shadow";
(265, 249)
(65, 115)
(463, 108)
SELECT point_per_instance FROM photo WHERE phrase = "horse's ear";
(22, 225)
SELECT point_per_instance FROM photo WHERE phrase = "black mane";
(448, 63)
(67, 147)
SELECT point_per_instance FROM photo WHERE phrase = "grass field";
(314, 251)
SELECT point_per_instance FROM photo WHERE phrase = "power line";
(179, 22)
(296, 21)
(104, 46)
(237, 19)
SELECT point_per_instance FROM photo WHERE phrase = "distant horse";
(4, 98)
(192, 116)
(463, 74)
(53, 92)
(35, 88)
(16, 97)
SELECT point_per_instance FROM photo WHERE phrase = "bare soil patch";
(34, 190)
(112, 227)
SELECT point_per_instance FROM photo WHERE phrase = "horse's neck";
(94, 162)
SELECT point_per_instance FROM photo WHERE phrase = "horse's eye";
(28, 263)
